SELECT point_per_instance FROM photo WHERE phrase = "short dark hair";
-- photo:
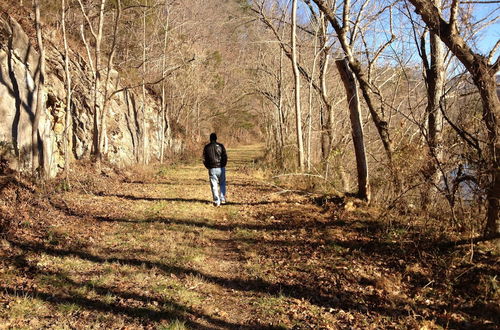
(213, 137)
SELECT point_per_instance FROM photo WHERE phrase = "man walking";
(215, 160)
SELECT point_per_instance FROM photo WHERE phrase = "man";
(215, 160)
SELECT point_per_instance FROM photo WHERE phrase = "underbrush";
(22, 206)
(432, 256)
(460, 208)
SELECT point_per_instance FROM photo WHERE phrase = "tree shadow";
(299, 291)
(277, 226)
(13, 87)
(396, 255)
(203, 223)
(162, 181)
(368, 242)
(175, 310)
(183, 200)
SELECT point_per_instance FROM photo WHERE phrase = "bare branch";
(453, 14)
(345, 16)
(87, 48)
(170, 71)
(356, 23)
(481, 1)
(466, 136)
(87, 19)
(493, 51)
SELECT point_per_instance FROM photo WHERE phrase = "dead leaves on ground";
(144, 254)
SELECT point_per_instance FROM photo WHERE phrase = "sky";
(486, 38)
(491, 34)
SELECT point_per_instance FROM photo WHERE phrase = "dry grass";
(147, 250)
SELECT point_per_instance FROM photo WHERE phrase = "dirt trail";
(156, 254)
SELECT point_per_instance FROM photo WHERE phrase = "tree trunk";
(107, 82)
(98, 99)
(39, 107)
(95, 63)
(296, 74)
(281, 121)
(357, 128)
(67, 129)
(435, 77)
(164, 120)
(144, 133)
(327, 117)
(310, 99)
(355, 65)
(483, 75)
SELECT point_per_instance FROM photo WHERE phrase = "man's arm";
(205, 156)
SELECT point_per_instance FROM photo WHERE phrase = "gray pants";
(218, 180)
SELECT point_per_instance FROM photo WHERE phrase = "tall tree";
(165, 128)
(296, 74)
(356, 128)
(67, 75)
(483, 74)
(342, 29)
(434, 74)
(39, 107)
(96, 66)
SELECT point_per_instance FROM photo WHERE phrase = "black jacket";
(214, 155)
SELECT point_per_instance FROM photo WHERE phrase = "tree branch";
(172, 70)
(453, 15)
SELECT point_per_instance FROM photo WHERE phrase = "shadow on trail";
(175, 312)
(263, 226)
(283, 226)
(372, 242)
(184, 200)
(298, 291)
(165, 181)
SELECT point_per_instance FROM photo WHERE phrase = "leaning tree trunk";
(355, 65)
(483, 75)
(350, 85)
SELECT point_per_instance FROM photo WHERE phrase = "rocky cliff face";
(131, 135)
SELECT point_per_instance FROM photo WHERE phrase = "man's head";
(213, 137)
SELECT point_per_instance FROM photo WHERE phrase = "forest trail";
(155, 253)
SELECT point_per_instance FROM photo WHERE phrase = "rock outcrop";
(131, 134)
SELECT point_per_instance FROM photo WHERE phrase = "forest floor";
(150, 251)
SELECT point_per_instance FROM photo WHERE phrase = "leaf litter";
(145, 249)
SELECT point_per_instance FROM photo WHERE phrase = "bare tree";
(67, 129)
(342, 30)
(96, 66)
(357, 128)
(483, 74)
(296, 74)
(434, 71)
(39, 108)
(165, 127)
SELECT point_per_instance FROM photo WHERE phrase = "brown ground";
(149, 251)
